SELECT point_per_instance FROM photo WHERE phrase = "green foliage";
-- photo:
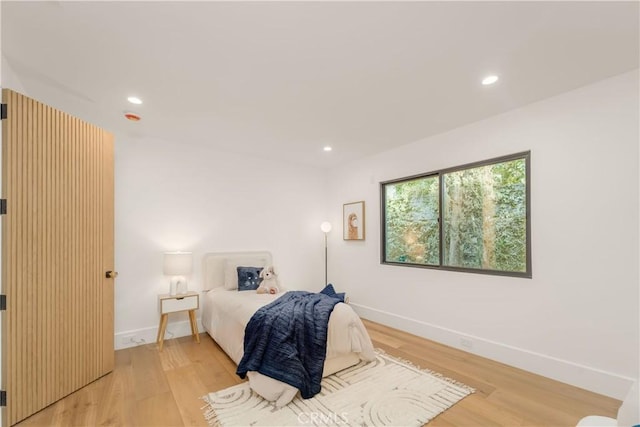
(484, 217)
(411, 216)
(511, 217)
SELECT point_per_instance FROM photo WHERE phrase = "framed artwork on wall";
(353, 221)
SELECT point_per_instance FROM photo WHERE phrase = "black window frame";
(525, 155)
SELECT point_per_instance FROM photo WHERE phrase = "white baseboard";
(148, 335)
(596, 380)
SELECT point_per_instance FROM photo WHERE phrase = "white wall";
(169, 197)
(9, 76)
(577, 319)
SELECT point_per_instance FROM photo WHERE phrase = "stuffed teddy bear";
(269, 284)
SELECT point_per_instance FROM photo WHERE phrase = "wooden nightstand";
(173, 304)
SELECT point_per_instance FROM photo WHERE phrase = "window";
(471, 218)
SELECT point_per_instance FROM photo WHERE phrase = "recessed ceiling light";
(327, 148)
(489, 80)
(134, 100)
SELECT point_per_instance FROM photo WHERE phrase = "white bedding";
(225, 314)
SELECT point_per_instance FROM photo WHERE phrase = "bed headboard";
(213, 265)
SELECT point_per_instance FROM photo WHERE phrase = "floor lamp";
(326, 228)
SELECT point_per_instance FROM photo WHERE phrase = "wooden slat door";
(57, 244)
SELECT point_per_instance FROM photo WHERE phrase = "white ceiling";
(283, 79)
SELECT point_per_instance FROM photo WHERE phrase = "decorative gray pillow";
(249, 278)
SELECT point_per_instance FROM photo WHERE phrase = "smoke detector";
(132, 116)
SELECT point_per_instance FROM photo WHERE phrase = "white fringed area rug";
(384, 392)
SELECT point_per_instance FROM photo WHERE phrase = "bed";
(226, 312)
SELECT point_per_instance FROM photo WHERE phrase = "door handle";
(111, 274)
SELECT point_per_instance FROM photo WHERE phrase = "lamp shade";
(325, 226)
(177, 263)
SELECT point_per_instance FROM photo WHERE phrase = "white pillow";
(231, 270)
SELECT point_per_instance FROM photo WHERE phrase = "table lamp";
(177, 265)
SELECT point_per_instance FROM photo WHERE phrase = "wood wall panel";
(57, 244)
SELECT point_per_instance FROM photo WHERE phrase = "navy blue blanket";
(287, 340)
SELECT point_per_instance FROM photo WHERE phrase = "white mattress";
(225, 314)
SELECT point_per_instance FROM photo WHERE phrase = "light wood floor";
(149, 388)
